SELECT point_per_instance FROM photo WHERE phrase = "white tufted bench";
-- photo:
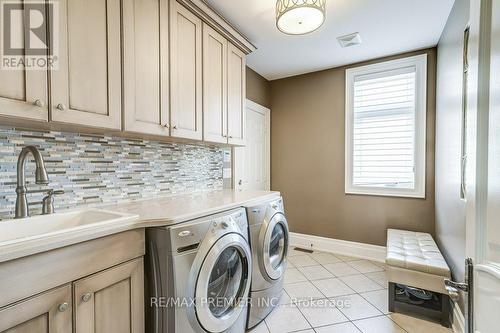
(413, 259)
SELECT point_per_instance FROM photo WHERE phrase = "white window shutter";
(383, 156)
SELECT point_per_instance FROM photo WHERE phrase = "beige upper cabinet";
(112, 300)
(50, 312)
(86, 89)
(145, 66)
(186, 73)
(214, 86)
(23, 92)
(236, 92)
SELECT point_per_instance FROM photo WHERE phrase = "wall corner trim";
(343, 247)
(458, 319)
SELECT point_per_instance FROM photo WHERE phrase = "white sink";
(47, 226)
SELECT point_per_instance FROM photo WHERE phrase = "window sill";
(386, 193)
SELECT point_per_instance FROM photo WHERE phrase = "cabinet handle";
(230, 137)
(86, 297)
(166, 126)
(61, 107)
(175, 127)
(39, 103)
(63, 307)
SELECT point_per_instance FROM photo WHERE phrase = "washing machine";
(198, 275)
(269, 239)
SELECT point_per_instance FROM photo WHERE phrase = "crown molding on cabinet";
(217, 22)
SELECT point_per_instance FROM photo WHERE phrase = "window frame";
(420, 64)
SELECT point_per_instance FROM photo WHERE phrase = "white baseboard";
(352, 249)
(458, 319)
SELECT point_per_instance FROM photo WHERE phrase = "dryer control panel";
(188, 234)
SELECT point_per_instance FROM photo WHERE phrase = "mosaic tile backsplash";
(95, 169)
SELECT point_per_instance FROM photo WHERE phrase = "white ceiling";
(386, 27)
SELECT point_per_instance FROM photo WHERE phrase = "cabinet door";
(111, 301)
(86, 89)
(214, 86)
(186, 73)
(23, 92)
(236, 96)
(145, 66)
(49, 312)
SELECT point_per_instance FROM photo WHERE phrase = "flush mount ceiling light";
(298, 17)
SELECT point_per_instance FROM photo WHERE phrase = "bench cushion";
(415, 251)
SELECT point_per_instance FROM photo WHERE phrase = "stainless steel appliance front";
(198, 275)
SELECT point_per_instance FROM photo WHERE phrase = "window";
(385, 128)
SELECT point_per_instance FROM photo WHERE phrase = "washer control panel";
(234, 222)
(193, 232)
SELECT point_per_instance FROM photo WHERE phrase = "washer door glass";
(223, 283)
(226, 282)
(274, 249)
(277, 246)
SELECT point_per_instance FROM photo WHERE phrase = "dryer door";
(274, 246)
(223, 283)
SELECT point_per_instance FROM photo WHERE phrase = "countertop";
(20, 237)
(170, 210)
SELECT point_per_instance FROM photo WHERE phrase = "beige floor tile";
(286, 318)
(293, 275)
(341, 269)
(261, 328)
(365, 266)
(325, 258)
(303, 291)
(343, 257)
(360, 283)
(379, 277)
(338, 328)
(333, 287)
(302, 261)
(378, 325)
(315, 272)
(285, 299)
(355, 307)
(415, 325)
(321, 312)
(379, 299)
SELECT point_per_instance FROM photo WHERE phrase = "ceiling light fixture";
(298, 17)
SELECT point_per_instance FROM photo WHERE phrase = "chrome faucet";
(41, 177)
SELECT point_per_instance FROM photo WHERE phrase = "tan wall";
(258, 88)
(307, 158)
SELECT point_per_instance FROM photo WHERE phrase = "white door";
(483, 165)
(252, 162)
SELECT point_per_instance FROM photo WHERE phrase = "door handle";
(454, 288)
(240, 182)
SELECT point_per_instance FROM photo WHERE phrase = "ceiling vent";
(349, 40)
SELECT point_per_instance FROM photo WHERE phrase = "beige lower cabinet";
(111, 301)
(96, 286)
(49, 312)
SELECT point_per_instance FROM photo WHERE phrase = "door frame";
(236, 151)
(478, 144)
